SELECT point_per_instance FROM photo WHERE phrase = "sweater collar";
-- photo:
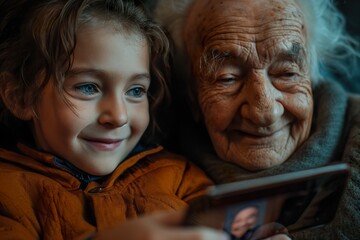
(84, 176)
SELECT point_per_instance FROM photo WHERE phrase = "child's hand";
(160, 227)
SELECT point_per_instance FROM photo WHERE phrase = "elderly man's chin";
(256, 158)
(258, 161)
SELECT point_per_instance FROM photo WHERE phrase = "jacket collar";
(64, 172)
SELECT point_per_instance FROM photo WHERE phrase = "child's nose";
(114, 113)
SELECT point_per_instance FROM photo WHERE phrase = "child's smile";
(108, 143)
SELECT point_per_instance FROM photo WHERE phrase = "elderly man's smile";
(260, 136)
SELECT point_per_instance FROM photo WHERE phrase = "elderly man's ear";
(14, 98)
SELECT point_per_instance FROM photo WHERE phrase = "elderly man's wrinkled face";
(250, 62)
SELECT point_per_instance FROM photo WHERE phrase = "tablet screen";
(294, 204)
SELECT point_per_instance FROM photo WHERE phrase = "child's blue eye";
(87, 89)
(136, 92)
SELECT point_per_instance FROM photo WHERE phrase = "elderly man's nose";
(261, 102)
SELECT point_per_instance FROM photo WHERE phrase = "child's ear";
(13, 98)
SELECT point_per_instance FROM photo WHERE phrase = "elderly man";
(262, 92)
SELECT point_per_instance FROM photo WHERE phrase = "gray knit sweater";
(335, 136)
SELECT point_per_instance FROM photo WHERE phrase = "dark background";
(351, 10)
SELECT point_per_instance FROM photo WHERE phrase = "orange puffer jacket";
(40, 200)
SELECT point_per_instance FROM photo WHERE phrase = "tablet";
(295, 201)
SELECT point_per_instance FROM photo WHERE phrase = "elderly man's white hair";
(331, 48)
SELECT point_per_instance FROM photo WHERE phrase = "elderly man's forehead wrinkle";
(237, 34)
(242, 23)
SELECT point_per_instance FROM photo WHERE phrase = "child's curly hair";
(38, 37)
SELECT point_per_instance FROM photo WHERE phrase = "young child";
(80, 86)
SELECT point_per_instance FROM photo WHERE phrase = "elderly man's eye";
(288, 74)
(284, 75)
(227, 79)
(285, 71)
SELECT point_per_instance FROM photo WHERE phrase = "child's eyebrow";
(101, 73)
(87, 71)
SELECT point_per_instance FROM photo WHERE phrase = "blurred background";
(351, 10)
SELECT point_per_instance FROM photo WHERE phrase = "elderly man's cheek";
(300, 106)
(217, 111)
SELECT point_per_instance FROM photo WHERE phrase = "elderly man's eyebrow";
(296, 53)
(217, 56)
(212, 59)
